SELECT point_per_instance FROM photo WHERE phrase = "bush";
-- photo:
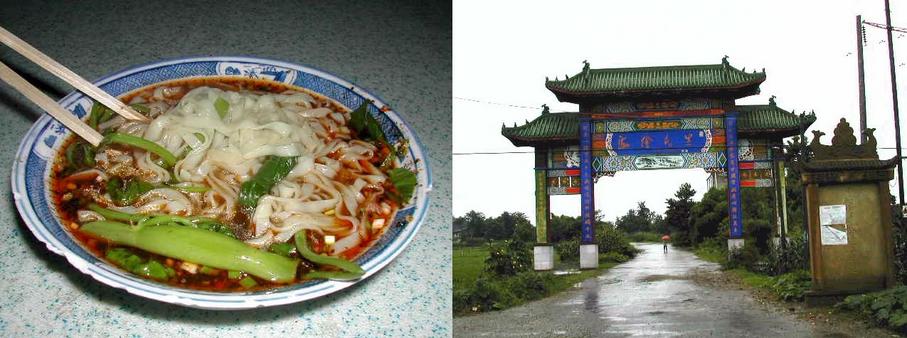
(613, 257)
(792, 286)
(568, 250)
(530, 285)
(461, 300)
(509, 258)
(782, 259)
(887, 307)
(488, 295)
(747, 257)
(613, 240)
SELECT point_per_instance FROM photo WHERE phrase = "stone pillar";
(735, 213)
(848, 209)
(588, 251)
(543, 252)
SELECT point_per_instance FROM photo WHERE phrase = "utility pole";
(894, 101)
(862, 80)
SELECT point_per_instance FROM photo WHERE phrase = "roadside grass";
(752, 279)
(476, 291)
(711, 251)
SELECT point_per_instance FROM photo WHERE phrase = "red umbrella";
(666, 238)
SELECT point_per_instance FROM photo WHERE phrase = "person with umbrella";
(665, 240)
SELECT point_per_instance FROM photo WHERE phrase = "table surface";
(400, 51)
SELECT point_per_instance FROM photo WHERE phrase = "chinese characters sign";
(735, 213)
(664, 143)
(586, 199)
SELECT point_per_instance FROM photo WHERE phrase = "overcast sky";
(503, 50)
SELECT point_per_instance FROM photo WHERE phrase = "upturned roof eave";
(566, 95)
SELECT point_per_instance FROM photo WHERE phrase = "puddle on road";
(658, 278)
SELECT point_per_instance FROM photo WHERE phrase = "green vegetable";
(154, 269)
(124, 258)
(283, 249)
(207, 270)
(135, 264)
(199, 222)
(116, 215)
(166, 219)
(125, 193)
(222, 107)
(141, 108)
(233, 274)
(197, 246)
(80, 155)
(303, 248)
(365, 125)
(188, 187)
(335, 275)
(138, 142)
(99, 114)
(404, 182)
(274, 169)
(247, 282)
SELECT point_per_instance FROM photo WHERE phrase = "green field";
(468, 263)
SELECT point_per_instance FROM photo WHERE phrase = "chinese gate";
(653, 118)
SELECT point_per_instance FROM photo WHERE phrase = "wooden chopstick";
(52, 107)
(69, 76)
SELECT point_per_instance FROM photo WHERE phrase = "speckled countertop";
(400, 51)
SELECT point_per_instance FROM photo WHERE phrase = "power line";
(882, 26)
(497, 103)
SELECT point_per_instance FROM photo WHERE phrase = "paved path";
(648, 296)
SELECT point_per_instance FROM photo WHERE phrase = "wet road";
(650, 295)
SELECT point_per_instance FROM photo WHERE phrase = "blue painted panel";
(735, 213)
(586, 192)
(661, 142)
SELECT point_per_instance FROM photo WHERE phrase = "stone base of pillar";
(543, 257)
(588, 256)
(734, 244)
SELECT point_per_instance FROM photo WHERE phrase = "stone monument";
(849, 214)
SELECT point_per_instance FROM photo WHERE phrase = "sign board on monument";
(832, 219)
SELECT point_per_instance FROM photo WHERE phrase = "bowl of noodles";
(252, 183)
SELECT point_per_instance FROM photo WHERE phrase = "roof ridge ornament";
(771, 101)
(844, 144)
(724, 62)
(545, 109)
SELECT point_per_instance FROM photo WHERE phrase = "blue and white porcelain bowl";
(34, 159)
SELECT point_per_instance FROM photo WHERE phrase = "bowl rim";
(114, 277)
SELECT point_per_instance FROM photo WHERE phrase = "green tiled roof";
(768, 118)
(547, 127)
(622, 82)
(564, 127)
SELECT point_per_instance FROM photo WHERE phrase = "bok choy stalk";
(138, 142)
(353, 270)
(198, 246)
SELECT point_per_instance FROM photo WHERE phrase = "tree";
(709, 216)
(677, 215)
(636, 220)
(522, 229)
(475, 224)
